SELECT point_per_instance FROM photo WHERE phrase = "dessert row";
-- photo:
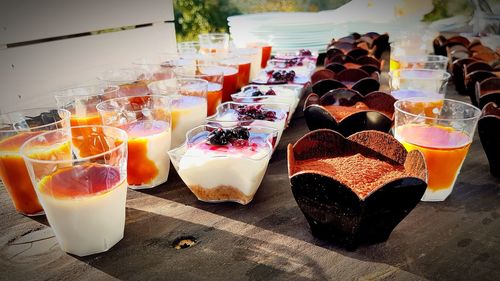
(74, 163)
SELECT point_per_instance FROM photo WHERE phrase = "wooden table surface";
(269, 239)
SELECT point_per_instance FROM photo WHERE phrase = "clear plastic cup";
(132, 81)
(16, 128)
(443, 132)
(406, 83)
(189, 104)
(81, 102)
(188, 48)
(420, 62)
(246, 55)
(147, 121)
(83, 198)
(213, 74)
(214, 43)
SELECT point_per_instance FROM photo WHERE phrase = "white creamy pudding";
(224, 166)
(187, 113)
(148, 161)
(85, 206)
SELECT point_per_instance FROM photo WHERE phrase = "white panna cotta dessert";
(85, 221)
(148, 161)
(272, 115)
(224, 164)
(187, 113)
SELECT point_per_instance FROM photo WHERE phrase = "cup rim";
(100, 106)
(419, 57)
(104, 89)
(446, 75)
(219, 71)
(282, 106)
(67, 115)
(29, 159)
(423, 99)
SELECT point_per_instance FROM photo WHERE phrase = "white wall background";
(29, 73)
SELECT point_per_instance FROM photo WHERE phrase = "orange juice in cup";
(442, 132)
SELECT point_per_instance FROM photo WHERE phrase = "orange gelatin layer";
(83, 138)
(444, 151)
(140, 169)
(243, 75)
(229, 84)
(78, 181)
(266, 54)
(15, 175)
(214, 97)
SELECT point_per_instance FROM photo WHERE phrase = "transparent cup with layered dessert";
(272, 115)
(224, 164)
(147, 121)
(443, 132)
(83, 197)
(82, 102)
(132, 81)
(213, 74)
(16, 128)
(189, 104)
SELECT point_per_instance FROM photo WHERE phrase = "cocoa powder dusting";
(340, 112)
(360, 173)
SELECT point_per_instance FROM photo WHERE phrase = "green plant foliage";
(193, 17)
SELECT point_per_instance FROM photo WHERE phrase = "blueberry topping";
(283, 75)
(237, 136)
(270, 92)
(255, 112)
(257, 93)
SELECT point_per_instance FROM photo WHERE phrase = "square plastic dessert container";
(224, 164)
(272, 115)
(289, 94)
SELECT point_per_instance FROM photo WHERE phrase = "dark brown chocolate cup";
(320, 111)
(457, 68)
(488, 91)
(336, 212)
(470, 83)
(488, 128)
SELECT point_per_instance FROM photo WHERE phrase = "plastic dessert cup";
(251, 55)
(147, 121)
(265, 51)
(219, 166)
(214, 75)
(83, 198)
(132, 81)
(272, 115)
(189, 105)
(289, 94)
(213, 43)
(81, 102)
(188, 48)
(419, 62)
(407, 83)
(17, 128)
(443, 132)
